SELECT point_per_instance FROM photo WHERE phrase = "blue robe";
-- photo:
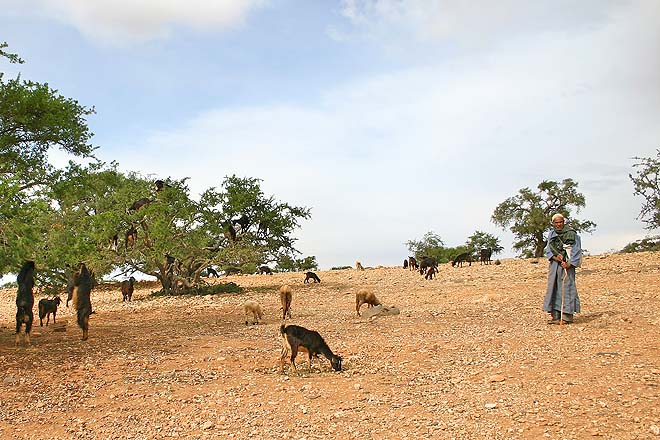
(556, 284)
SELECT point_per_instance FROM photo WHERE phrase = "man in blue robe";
(564, 252)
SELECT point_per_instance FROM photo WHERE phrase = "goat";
(127, 289)
(358, 266)
(312, 276)
(364, 296)
(25, 300)
(212, 272)
(265, 270)
(252, 307)
(427, 263)
(296, 338)
(139, 204)
(485, 254)
(431, 272)
(286, 295)
(80, 296)
(131, 236)
(465, 256)
(405, 263)
(412, 263)
(46, 307)
(160, 185)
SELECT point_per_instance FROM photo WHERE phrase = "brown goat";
(358, 266)
(285, 297)
(365, 296)
(252, 308)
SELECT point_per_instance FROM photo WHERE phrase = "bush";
(214, 289)
(341, 267)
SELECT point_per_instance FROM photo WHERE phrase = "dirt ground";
(471, 356)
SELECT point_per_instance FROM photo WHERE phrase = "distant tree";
(528, 215)
(646, 183)
(483, 240)
(430, 245)
(290, 264)
(643, 245)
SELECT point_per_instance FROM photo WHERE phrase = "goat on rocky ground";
(358, 266)
(412, 263)
(211, 272)
(46, 307)
(365, 296)
(312, 276)
(296, 338)
(458, 261)
(431, 272)
(127, 287)
(25, 300)
(427, 263)
(265, 270)
(484, 255)
(286, 296)
(80, 297)
(405, 263)
(252, 308)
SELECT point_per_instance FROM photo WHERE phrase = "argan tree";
(528, 214)
(646, 181)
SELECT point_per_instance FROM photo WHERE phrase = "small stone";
(490, 405)
(496, 378)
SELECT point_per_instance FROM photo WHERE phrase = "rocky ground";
(469, 357)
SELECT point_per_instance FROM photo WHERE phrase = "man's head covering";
(557, 217)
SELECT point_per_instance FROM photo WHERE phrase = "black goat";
(405, 263)
(412, 263)
(431, 272)
(296, 338)
(427, 263)
(458, 261)
(25, 300)
(80, 296)
(139, 204)
(46, 307)
(312, 276)
(484, 255)
(127, 289)
(265, 270)
(212, 272)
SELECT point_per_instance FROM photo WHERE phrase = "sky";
(388, 118)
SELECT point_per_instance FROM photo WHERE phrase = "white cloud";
(122, 22)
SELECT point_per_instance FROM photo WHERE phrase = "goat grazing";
(484, 255)
(285, 297)
(296, 338)
(358, 266)
(312, 276)
(412, 263)
(431, 272)
(253, 308)
(427, 263)
(127, 289)
(46, 307)
(405, 263)
(25, 300)
(458, 261)
(265, 270)
(364, 296)
(80, 297)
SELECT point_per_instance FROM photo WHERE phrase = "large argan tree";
(34, 119)
(528, 214)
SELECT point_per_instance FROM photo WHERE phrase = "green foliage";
(287, 263)
(341, 267)
(643, 245)
(528, 214)
(482, 240)
(215, 289)
(33, 120)
(646, 183)
(431, 245)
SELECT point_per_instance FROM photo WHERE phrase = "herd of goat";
(294, 338)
